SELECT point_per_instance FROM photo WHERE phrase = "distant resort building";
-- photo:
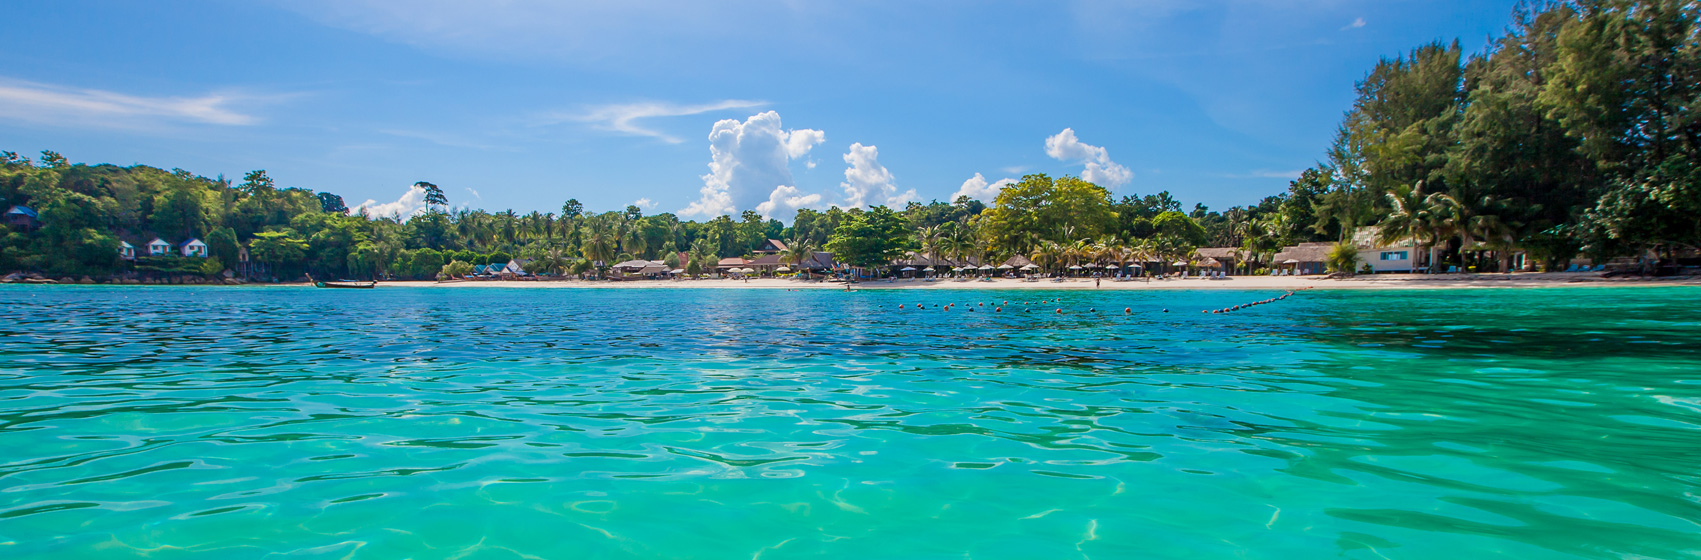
(193, 248)
(771, 247)
(730, 263)
(640, 267)
(158, 248)
(1304, 258)
(22, 217)
(1227, 257)
(126, 251)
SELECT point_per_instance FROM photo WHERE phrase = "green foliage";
(211, 265)
(278, 248)
(870, 238)
(456, 269)
(1343, 257)
(1039, 208)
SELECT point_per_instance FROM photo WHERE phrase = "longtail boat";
(354, 284)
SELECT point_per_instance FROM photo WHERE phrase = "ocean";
(250, 422)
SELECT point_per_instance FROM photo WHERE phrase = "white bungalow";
(194, 248)
(158, 248)
(126, 251)
(1399, 256)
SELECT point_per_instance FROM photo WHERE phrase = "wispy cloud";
(446, 140)
(623, 118)
(1264, 174)
(60, 105)
(1357, 23)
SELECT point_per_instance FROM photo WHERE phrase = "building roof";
(775, 244)
(21, 209)
(157, 241)
(1018, 261)
(123, 243)
(766, 260)
(818, 260)
(1305, 252)
(656, 268)
(1220, 253)
(636, 263)
(192, 241)
(1367, 238)
(732, 261)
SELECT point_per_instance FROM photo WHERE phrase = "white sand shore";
(1378, 282)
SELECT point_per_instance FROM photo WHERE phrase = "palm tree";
(600, 241)
(797, 251)
(929, 238)
(1409, 218)
(959, 242)
(1471, 218)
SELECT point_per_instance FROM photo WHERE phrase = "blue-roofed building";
(193, 248)
(21, 216)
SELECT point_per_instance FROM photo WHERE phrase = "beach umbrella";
(783, 269)
(1290, 261)
(1074, 267)
(987, 267)
(1029, 266)
(1005, 267)
(1179, 263)
(928, 269)
(676, 271)
(907, 269)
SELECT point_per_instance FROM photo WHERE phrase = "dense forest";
(1574, 133)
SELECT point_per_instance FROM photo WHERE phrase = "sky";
(705, 108)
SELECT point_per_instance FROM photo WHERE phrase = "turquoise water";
(175, 422)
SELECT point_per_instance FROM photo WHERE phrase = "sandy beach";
(1378, 282)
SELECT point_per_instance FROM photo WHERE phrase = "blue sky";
(707, 107)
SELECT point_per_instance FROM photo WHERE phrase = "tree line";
(1574, 133)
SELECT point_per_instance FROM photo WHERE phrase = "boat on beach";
(348, 284)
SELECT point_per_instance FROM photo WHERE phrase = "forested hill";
(1578, 131)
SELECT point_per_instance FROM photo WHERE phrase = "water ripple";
(184, 422)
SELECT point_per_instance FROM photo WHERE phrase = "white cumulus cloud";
(785, 200)
(645, 203)
(978, 188)
(747, 161)
(867, 183)
(412, 203)
(1100, 170)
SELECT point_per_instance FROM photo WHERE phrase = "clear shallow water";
(503, 423)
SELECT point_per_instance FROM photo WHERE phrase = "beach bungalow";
(1230, 257)
(640, 267)
(158, 248)
(771, 247)
(730, 263)
(126, 251)
(193, 248)
(1399, 256)
(819, 261)
(22, 217)
(767, 263)
(1304, 258)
